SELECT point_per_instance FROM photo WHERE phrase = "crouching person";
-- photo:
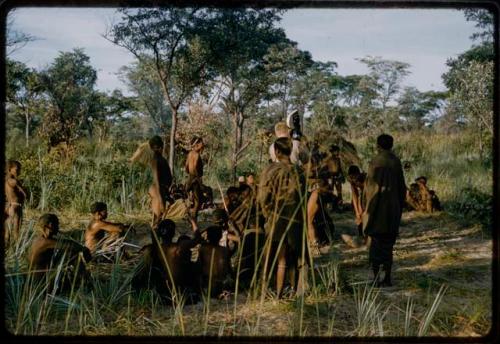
(172, 269)
(215, 262)
(61, 262)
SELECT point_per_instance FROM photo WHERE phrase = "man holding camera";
(282, 129)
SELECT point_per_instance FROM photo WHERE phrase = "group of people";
(268, 227)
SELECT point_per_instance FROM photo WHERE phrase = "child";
(15, 197)
(99, 227)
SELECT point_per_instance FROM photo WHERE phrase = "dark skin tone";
(98, 227)
(42, 249)
(333, 165)
(194, 168)
(15, 195)
(162, 180)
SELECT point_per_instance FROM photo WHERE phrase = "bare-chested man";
(194, 169)
(48, 250)
(162, 179)
(14, 197)
(99, 228)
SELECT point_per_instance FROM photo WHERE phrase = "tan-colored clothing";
(281, 196)
(384, 195)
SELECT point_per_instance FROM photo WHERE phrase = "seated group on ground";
(263, 232)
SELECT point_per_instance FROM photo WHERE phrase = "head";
(414, 189)
(232, 193)
(281, 130)
(219, 217)
(323, 184)
(214, 234)
(335, 151)
(250, 179)
(165, 231)
(245, 191)
(197, 144)
(13, 167)
(385, 142)
(156, 144)
(421, 180)
(282, 148)
(353, 171)
(99, 210)
(48, 225)
(241, 180)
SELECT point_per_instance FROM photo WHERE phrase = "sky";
(424, 38)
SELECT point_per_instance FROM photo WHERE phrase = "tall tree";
(473, 99)
(287, 65)
(167, 41)
(23, 94)
(241, 38)
(68, 85)
(414, 106)
(385, 79)
(149, 96)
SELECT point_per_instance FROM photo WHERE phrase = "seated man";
(48, 250)
(102, 235)
(215, 262)
(169, 268)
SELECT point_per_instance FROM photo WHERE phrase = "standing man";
(281, 196)
(194, 169)
(162, 179)
(384, 194)
(299, 154)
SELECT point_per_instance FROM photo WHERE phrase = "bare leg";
(280, 275)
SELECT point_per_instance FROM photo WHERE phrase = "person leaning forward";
(384, 195)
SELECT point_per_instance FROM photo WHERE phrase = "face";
(157, 148)
(15, 170)
(250, 179)
(233, 197)
(199, 146)
(103, 214)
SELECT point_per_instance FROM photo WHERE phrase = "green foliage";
(475, 205)
(69, 86)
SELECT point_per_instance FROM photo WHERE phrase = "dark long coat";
(384, 195)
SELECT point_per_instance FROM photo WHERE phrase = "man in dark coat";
(384, 196)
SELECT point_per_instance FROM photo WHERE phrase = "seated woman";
(49, 250)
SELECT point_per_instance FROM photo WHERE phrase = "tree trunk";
(173, 130)
(239, 120)
(27, 128)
